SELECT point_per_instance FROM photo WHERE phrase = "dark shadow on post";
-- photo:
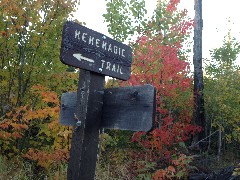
(84, 147)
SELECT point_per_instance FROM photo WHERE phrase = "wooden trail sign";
(87, 49)
(125, 108)
(92, 107)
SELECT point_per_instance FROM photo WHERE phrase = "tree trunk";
(219, 143)
(198, 75)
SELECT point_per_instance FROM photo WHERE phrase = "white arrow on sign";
(80, 57)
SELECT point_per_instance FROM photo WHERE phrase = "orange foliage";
(46, 159)
(44, 118)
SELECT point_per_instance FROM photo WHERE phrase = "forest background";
(32, 79)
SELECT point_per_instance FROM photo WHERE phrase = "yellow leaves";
(37, 5)
(236, 171)
(40, 114)
(53, 125)
(4, 135)
(4, 83)
(30, 41)
(65, 134)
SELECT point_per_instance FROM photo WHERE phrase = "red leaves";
(16, 135)
(137, 136)
(172, 6)
(45, 159)
(4, 125)
(157, 63)
(4, 33)
(160, 174)
(158, 60)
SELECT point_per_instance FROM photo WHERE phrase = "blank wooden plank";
(68, 108)
(124, 108)
(129, 108)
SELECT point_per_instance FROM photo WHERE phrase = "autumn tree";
(160, 59)
(32, 78)
(223, 96)
(29, 46)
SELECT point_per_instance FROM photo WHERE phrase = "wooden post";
(98, 55)
(198, 74)
(84, 147)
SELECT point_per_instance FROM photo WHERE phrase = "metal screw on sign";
(78, 123)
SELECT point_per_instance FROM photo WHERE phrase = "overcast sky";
(216, 14)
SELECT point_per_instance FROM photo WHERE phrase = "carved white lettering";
(104, 45)
(83, 37)
(121, 70)
(116, 68)
(103, 63)
(123, 50)
(110, 47)
(113, 68)
(97, 42)
(77, 34)
(108, 66)
(115, 48)
(91, 40)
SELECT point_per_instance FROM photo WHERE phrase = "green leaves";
(29, 45)
(124, 18)
(222, 93)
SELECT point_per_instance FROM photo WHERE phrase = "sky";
(216, 15)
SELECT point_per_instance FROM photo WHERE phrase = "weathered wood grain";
(125, 108)
(84, 147)
(98, 52)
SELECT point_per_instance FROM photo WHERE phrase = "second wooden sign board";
(126, 108)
